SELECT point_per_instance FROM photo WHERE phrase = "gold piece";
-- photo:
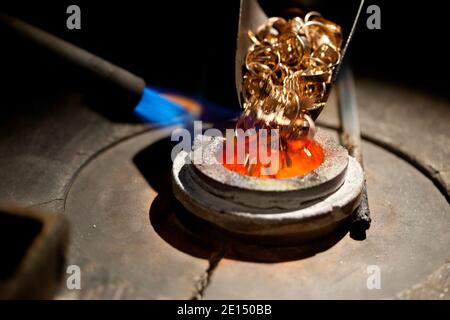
(256, 88)
(262, 60)
(253, 38)
(279, 75)
(315, 91)
(315, 75)
(291, 48)
(312, 14)
(327, 55)
(320, 31)
(293, 26)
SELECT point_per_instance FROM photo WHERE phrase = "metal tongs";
(253, 13)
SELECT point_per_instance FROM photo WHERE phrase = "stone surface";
(50, 129)
(114, 243)
(49, 132)
(44, 147)
(408, 241)
(435, 286)
(424, 135)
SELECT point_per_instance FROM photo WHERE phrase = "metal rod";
(351, 139)
(103, 70)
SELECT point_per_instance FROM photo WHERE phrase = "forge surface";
(63, 156)
(305, 207)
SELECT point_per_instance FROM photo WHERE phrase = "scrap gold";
(288, 70)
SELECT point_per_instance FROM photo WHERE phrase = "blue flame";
(158, 110)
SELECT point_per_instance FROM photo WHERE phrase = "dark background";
(190, 45)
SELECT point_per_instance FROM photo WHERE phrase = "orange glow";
(296, 158)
